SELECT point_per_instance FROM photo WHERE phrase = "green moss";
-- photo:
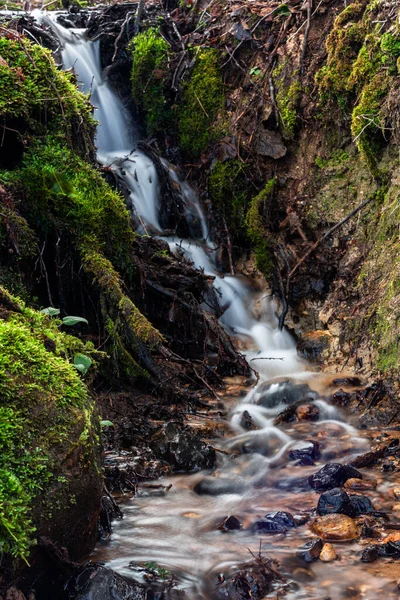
(35, 91)
(288, 92)
(390, 44)
(229, 191)
(37, 387)
(257, 231)
(202, 101)
(148, 77)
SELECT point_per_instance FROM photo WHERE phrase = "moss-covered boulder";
(50, 476)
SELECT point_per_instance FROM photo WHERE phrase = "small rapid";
(178, 529)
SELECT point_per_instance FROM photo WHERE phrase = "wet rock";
(332, 475)
(369, 554)
(211, 486)
(268, 526)
(335, 527)
(307, 412)
(328, 553)
(310, 551)
(182, 449)
(253, 581)
(96, 582)
(360, 484)
(285, 392)
(246, 421)
(282, 518)
(347, 381)
(340, 398)
(361, 504)
(305, 452)
(230, 523)
(301, 519)
(335, 501)
(269, 143)
(314, 345)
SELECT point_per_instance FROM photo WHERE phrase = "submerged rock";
(211, 486)
(231, 523)
(332, 475)
(268, 526)
(310, 551)
(282, 518)
(335, 527)
(307, 412)
(285, 392)
(305, 452)
(254, 581)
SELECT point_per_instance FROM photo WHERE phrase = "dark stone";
(230, 523)
(305, 452)
(332, 475)
(268, 526)
(254, 581)
(183, 449)
(282, 518)
(310, 551)
(335, 501)
(211, 486)
(361, 504)
(246, 421)
(340, 398)
(286, 393)
(369, 554)
(349, 381)
(96, 582)
(390, 549)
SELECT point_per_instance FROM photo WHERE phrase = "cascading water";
(255, 474)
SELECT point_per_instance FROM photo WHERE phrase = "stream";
(256, 472)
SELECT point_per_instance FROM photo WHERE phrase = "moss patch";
(43, 401)
(202, 100)
(257, 231)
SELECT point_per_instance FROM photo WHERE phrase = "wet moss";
(288, 93)
(148, 78)
(42, 398)
(257, 231)
(229, 191)
(201, 103)
(37, 97)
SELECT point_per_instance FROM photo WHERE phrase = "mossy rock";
(50, 477)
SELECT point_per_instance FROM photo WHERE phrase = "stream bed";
(263, 465)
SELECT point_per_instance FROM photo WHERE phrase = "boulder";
(267, 526)
(98, 583)
(335, 527)
(282, 518)
(254, 580)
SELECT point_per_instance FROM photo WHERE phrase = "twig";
(267, 358)
(138, 16)
(126, 21)
(303, 52)
(328, 233)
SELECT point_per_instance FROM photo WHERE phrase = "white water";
(179, 530)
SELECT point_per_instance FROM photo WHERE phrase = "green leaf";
(74, 320)
(50, 311)
(82, 363)
(283, 9)
(106, 424)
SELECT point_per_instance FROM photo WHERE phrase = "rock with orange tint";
(307, 412)
(392, 537)
(360, 484)
(335, 527)
(328, 553)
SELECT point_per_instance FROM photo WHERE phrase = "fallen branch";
(305, 41)
(267, 358)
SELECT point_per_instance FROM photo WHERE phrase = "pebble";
(231, 523)
(361, 484)
(396, 493)
(335, 527)
(328, 553)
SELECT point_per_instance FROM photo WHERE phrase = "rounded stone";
(328, 553)
(335, 527)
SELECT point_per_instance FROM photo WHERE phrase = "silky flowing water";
(177, 529)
